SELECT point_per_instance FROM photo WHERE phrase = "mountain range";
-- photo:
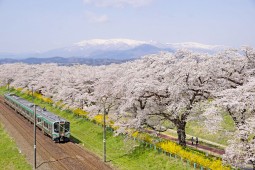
(104, 51)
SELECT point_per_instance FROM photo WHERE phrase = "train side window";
(50, 127)
(46, 125)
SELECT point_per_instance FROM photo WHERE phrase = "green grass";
(2, 90)
(10, 158)
(122, 153)
(196, 128)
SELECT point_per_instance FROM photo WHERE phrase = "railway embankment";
(122, 153)
(50, 155)
(10, 156)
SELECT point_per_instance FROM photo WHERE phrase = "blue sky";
(40, 25)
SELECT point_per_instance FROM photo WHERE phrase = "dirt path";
(50, 155)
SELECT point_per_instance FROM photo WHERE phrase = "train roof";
(39, 111)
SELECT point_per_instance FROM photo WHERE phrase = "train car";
(52, 125)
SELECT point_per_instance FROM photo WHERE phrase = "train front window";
(62, 128)
(56, 127)
(67, 127)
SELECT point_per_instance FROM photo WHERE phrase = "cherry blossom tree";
(240, 105)
(165, 87)
(238, 101)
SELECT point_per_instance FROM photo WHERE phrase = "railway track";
(52, 155)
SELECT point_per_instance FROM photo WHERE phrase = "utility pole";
(104, 138)
(81, 103)
(8, 84)
(33, 93)
(34, 136)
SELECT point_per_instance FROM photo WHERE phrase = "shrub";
(199, 158)
(80, 112)
(99, 119)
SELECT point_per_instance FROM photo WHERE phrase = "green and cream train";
(52, 125)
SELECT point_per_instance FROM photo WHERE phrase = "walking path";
(200, 139)
(207, 149)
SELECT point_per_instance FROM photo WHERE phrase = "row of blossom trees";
(156, 89)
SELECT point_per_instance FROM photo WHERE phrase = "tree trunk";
(181, 133)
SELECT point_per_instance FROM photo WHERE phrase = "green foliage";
(10, 158)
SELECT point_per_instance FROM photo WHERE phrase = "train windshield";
(61, 127)
(56, 127)
(67, 127)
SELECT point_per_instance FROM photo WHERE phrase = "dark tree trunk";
(181, 133)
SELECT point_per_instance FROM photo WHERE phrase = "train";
(50, 124)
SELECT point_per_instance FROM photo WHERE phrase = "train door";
(56, 131)
(67, 127)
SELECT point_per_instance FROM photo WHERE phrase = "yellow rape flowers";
(199, 158)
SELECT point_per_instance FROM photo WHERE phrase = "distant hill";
(64, 61)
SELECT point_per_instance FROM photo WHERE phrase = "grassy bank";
(197, 129)
(10, 158)
(122, 153)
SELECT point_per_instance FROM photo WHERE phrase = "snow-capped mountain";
(124, 44)
(123, 48)
(197, 47)
(192, 45)
(100, 48)
(116, 49)
(109, 44)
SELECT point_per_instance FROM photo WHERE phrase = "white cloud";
(92, 17)
(118, 3)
